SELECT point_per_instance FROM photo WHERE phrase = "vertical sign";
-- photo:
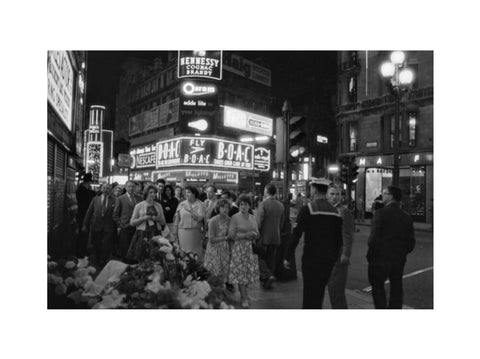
(60, 85)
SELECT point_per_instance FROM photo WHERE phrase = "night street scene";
(211, 179)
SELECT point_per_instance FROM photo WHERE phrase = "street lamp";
(399, 78)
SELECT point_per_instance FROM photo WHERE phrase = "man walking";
(99, 221)
(322, 225)
(338, 278)
(270, 217)
(392, 237)
(122, 214)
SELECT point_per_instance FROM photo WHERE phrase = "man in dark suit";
(84, 195)
(99, 221)
(270, 217)
(122, 214)
(392, 237)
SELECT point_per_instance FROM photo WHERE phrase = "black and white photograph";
(240, 179)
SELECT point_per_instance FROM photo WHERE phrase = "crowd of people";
(237, 237)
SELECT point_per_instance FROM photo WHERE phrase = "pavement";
(288, 295)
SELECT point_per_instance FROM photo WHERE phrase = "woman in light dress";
(243, 230)
(189, 221)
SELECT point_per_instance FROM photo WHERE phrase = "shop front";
(416, 182)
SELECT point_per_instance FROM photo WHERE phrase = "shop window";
(353, 137)
(352, 89)
(412, 129)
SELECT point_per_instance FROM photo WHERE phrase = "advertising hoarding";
(206, 64)
(143, 157)
(158, 116)
(262, 159)
(240, 66)
(60, 85)
(196, 175)
(247, 121)
(94, 161)
(204, 151)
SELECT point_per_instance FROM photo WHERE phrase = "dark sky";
(104, 69)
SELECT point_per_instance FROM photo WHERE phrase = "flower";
(91, 270)
(82, 263)
(52, 265)
(165, 249)
(69, 281)
(169, 257)
(70, 265)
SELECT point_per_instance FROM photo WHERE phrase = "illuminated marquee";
(207, 64)
(60, 85)
(194, 89)
(204, 151)
(262, 159)
(94, 161)
(143, 157)
(247, 121)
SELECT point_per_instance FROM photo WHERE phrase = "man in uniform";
(322, 225)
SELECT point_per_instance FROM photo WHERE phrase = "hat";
(321, 181)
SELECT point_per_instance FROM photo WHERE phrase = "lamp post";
(286, 110)
(398, 80)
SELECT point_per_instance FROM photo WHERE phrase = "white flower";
(161, 240)
(169, 257)
(70, 265)
(52, 265)
(82, 263)
(166, 249)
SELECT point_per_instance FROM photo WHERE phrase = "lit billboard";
(247, 121)
(206, 64)
(60, 85)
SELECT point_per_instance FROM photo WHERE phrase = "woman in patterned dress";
(149, 219)
(217, 254)
(243, 264)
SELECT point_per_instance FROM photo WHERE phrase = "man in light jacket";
(270, 217)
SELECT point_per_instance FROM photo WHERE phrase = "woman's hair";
(193, 190)
(222, 203)
(171, 190)
(245, 199)
(147, 189)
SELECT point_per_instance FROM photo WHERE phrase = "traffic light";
(297, 135)
(353, 171)
(344, 174)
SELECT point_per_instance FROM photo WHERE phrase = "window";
(412, 129)
(392, 131)
(353, 137)
(352, 89)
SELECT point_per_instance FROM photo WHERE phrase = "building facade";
(190, 129)
(65, 125)
(365, 125)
